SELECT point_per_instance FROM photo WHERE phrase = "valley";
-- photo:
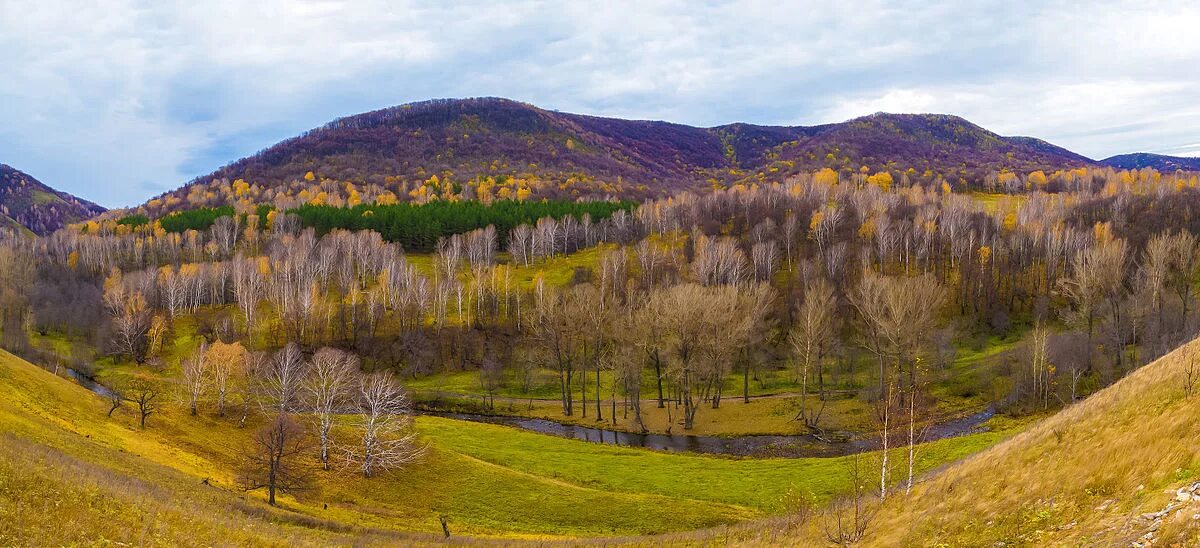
(708, 351)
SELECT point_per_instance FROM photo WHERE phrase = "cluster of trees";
(191, 219)
(839, 280)
(1075, 259)
(301, 398)
(419, 227)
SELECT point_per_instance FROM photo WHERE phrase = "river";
(792, 446)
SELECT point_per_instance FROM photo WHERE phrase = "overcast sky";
(119, 101)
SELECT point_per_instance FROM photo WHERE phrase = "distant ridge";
(583, 156)
(1139, 160)
(27, 202)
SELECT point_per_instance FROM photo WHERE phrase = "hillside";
(37, 207)
(1160, 162)
(1120, 467)
(109, 480)
(441, 144)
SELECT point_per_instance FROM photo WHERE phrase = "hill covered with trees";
(27, 202)
(1139, 160)
(497, 148)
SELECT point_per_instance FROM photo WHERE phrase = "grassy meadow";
(484, 479)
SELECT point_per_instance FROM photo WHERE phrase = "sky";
(118, 101)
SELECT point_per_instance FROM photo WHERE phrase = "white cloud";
(114, 99)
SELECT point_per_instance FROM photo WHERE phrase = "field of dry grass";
(1103, 472)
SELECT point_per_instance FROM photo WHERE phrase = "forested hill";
(453, 145)
(1139, 160)
(37, 207)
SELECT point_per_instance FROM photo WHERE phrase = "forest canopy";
(417, 227)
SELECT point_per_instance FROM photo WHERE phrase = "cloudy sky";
(118, 101)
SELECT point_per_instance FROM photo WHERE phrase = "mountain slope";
(1160, 162)
(558, 154)
(37, 207)
(1107, 471)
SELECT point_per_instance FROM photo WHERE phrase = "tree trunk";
(746, 382)
(599, 416)
(658, 376)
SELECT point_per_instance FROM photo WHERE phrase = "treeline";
(1115, 284)
(193, 219)
(418, 227)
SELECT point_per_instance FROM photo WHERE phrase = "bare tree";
(555, 325)
(520, 244)
(848, 518)
(765, 256)
(1097, 277)
(810, 337)
(224, 233)
(130, 315)
(195, 376)
(388, 440)
(116, 396)
(1040, 370)
(281, 378)
(899, 315)
(143, 394)
(270, 459)
(327, 389)
(249, 287)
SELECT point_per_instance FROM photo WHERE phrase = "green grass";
(964, 387)
(557, 271)
(485, 479)
(42, 198)
(764, 485)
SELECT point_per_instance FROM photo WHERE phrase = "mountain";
(556, 154)
(27, 202)
(1160, 162)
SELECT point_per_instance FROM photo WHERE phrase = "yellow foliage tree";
(882, 179)
(826, 176)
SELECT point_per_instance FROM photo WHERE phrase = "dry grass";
(1084, 476)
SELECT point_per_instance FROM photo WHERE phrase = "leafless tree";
(130, 316)
(520, 244)
(899, 315)
(145, 395)
(195, 376)
(388, 440)
(1096, 278)
(449, 255)
(847, 519)
(224, 233)
(116, 396)
(280, 379)
(765, 256)
(1040, 370)
(556, 327)
(270, 460)
(811, 335)
(327, 390)
(249, 286)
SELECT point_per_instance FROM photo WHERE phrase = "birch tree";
(327, 391)
(388, 440)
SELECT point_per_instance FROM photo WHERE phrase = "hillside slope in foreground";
(69, 474)
(1121, 468)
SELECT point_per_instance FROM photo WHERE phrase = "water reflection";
(800, 445)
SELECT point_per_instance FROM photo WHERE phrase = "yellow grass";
(1083, 477)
